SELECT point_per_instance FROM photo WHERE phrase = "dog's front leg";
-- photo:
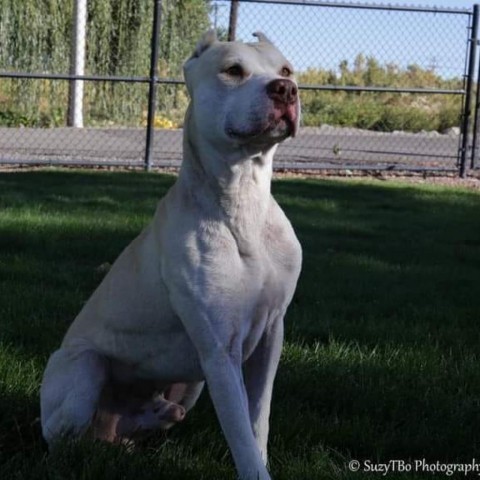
(227, 390)
(260, 370)
(222, 368)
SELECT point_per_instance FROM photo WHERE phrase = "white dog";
(201, 293)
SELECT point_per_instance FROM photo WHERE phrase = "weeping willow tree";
(33, 39)
(184, 21)
(35, 36)
(119, 44)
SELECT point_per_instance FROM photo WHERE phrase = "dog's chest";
(272, 273)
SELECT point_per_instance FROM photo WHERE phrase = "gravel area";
(449, 180)
(472, 181)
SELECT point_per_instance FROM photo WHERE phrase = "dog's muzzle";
(284, 94)
(273, 121)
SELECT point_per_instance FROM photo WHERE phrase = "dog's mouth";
(280, 123)
(284, 117)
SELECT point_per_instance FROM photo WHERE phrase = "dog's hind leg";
(71, 387)
(185, 394)
(120, 420)
(156, 414)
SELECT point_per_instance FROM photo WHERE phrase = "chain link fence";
(382, 86)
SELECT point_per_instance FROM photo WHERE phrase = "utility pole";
(215, 16)
(232, 24)
(77, 64)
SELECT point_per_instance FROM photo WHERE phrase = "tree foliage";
(380, 111)
(35, 36)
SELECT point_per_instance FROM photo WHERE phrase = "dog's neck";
(235, 185)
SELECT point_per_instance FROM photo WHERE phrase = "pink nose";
(281, 90)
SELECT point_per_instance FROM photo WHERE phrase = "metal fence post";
(152, 92)
(467, 112)
(476, 124)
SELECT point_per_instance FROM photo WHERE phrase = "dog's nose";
(282, 90)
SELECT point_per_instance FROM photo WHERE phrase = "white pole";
(77, 66)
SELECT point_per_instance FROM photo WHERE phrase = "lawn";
(381, 360)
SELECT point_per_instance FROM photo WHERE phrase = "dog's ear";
(262, 37)
(207, 40)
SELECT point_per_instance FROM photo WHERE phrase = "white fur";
(203, 290)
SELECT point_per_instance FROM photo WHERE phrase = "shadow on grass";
(392, 253)
(383, 332)
(382, 337)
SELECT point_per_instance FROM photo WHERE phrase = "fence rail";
(366, 6)
(367, 103)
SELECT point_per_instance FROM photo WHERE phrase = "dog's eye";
(234, 71)
(286, 72)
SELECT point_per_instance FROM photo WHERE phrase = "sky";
(321, 37)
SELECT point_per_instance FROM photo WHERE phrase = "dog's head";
(243, 93)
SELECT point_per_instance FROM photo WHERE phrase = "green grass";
(381, 358)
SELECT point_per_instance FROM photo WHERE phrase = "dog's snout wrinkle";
(282, 90)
